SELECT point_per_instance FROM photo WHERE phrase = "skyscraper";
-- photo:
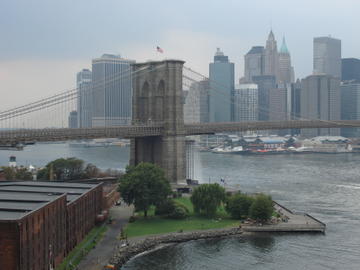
(279, 99)
(246, 102)
(350, 107)
(112, 91)
(84, 102)
(327, 56)
(285, 70)
(350, 69)
(265, 83)
(320, 100)
(271, 56)
(73, 119)
(221, 88)
(295, 103)
(196, 107)
(254, 63)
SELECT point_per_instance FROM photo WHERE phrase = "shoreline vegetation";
(165, 217)
(153, 232)
(153, 225)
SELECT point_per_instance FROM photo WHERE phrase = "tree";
(17, 173)
(207, 198)
(262, 208)
(9, 173)
(238, 205)
(23, 174)
(144, 185)
(63, 169)
(91, 171)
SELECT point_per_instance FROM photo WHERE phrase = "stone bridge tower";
(158, 99)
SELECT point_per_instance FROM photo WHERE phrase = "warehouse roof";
(17, 199)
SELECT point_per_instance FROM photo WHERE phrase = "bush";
(172, 209)
(180, 212)
(262, 208)
(165, 208)
(207, 198)
(238, 205)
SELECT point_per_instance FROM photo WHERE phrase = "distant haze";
(44, 43)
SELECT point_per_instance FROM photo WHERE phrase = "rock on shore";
(123, 254)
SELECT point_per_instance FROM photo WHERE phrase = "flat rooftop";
(18, 199)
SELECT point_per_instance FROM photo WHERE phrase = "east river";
(326, 186)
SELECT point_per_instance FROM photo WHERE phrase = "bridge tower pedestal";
(158, 100)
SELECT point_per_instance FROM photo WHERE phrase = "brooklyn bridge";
(158, 130)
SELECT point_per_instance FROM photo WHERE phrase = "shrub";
(165, 208)
(207, 198)
(179, 212)
(262, 208)
(172, 209)
(238, 205)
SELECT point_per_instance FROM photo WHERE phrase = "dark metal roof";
(18, 199)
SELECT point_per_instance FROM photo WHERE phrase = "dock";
(294, 222)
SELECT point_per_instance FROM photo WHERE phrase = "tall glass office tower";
(84, 102)
(221, 88)
(327, 56)
(112, 91)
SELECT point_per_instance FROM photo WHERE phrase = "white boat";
(221, 150)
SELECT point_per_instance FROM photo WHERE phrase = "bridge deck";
(65, 134)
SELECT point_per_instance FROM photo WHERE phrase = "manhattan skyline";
(40, 59)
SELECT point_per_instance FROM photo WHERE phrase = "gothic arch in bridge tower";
(159, 101)
(143, 95)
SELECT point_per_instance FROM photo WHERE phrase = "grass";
(76, 255)
(157, 225)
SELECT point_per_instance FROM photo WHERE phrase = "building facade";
(246, 103)
(327, 56)
(295, 104)
(73, 119)
(111, 91)
(279, 103)
(350, 107)
(271, 56)
(285, 70)
(41, 222)
(84, 102)
(264, 83)
(221, 76)
(320, 100)
(350, 69)
(254, 62)
(196, 107)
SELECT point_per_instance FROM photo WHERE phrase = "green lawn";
(157, 225)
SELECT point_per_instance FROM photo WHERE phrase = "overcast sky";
(45, 42)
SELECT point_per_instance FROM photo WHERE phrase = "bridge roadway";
(66, 134)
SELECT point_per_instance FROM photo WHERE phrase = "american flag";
(158, 49)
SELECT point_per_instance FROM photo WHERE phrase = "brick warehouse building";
(41, 222)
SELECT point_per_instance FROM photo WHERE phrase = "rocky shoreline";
(124, 253)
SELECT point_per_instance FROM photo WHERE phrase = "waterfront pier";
(292, 222)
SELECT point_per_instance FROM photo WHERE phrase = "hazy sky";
(45, 42)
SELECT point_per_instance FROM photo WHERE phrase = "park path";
(98, 257)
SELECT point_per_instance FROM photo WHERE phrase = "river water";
(324, 185)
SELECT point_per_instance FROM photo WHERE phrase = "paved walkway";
(97, 258)
(295, 222)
